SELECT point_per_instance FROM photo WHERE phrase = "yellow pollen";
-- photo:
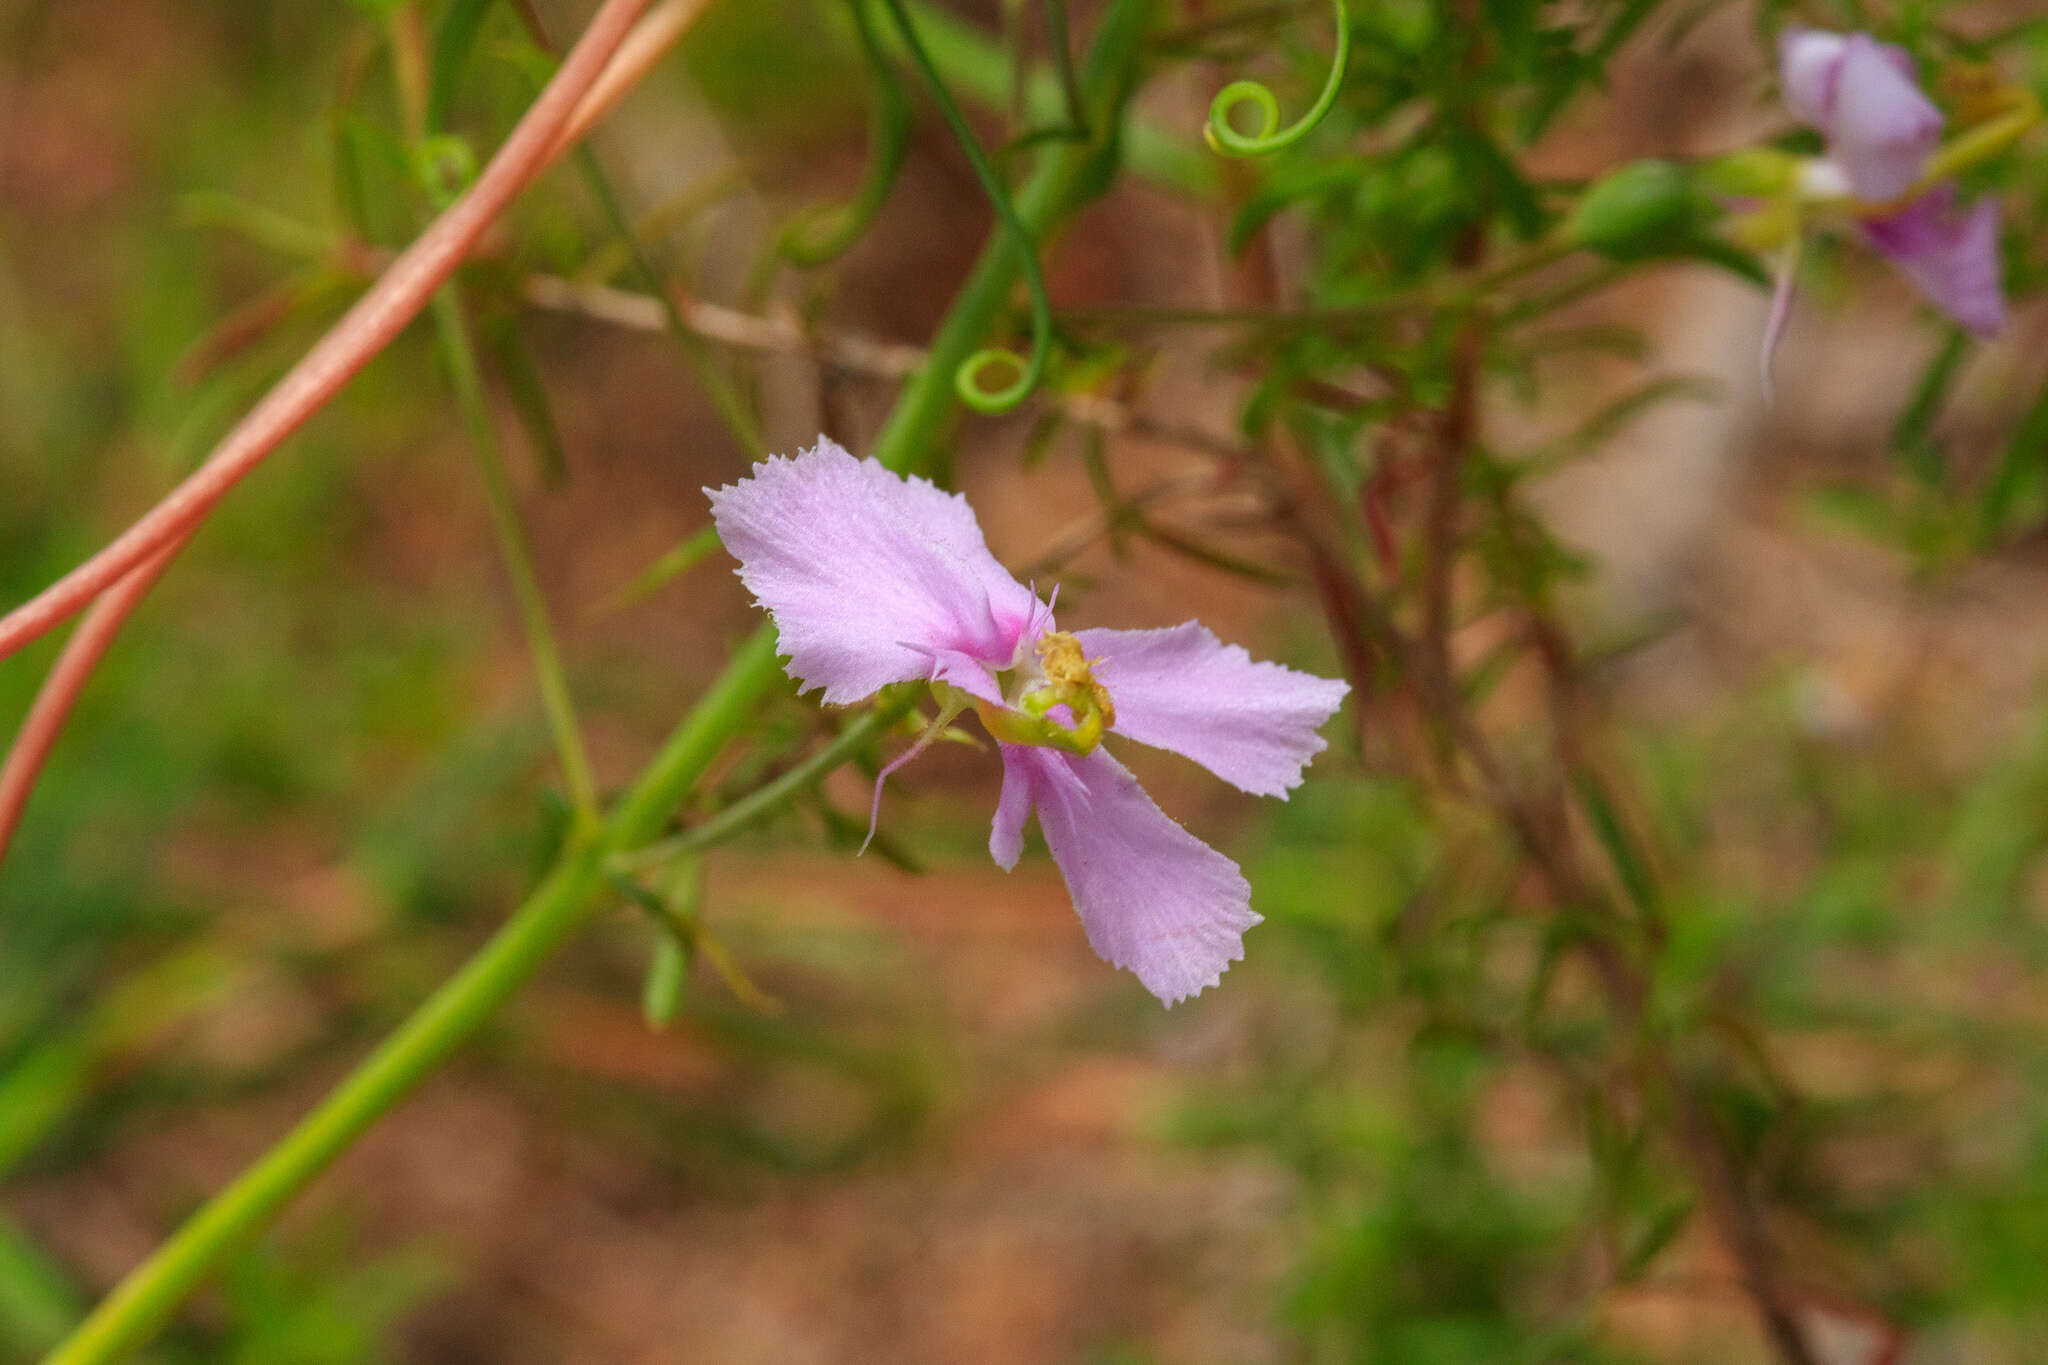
(1071, 671)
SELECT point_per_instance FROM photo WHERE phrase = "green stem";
(577, 886)
(770, 797)
(798, 243)
(749, 676)
(1065, 175)
(1030, 369)
(37, 1298)
(1063, 62)
(556, 908)
(980, 68)
(1980, 143)
(672, 565)
(555, 697)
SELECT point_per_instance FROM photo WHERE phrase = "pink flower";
(1949, 254)
(1880, 131)
(873, 578)
(1860, 94)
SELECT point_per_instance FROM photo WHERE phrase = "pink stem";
(53, 703)
(375, 320)
(122, 574)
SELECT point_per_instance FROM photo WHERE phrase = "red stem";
(122, 574)
(53, 703)
(375, 320)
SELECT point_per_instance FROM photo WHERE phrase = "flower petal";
(963, 670)
(1013, 808)
(868, 575)
(1809, 65)
(1251, 723)
(1151, 896)
(949, 520)
(1882, 128)
(1950, 256)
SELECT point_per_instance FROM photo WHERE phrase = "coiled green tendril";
(1030, 369)
(1270, 137)
(812, 237)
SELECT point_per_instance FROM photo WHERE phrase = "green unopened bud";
(444, 165)
(1638, 210)
(1752, 173)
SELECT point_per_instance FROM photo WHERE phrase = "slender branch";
(375, 320)
(849, 352)
(82, 653)
(771, 796)
(517, 552)
(1030, 368)
(1742, 1224)
(981, 68)
(798, 242)
(126, 573)
(1715, 1169)
(777, 334)
(646, 45)
(1457, 429)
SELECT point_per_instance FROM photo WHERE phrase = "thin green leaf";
(1608, 422)
(1664, 1227)
(665, 570)
(1221, 560)
(1910, 438)
(1045, 430)
(264, 226)
(1618, 841)
(1518, 198)
(454, 43)
(2019, 473)
(1559, 92)
(530, 402)
(1114, 510)
(38, 1304)
(374, 175)
(661, 995)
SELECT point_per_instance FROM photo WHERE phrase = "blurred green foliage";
(1443, 1221)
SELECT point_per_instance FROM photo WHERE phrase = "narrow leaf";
(665, 570)
(530, 402)
(454, 42)
(662, 993)
(1910, 439)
